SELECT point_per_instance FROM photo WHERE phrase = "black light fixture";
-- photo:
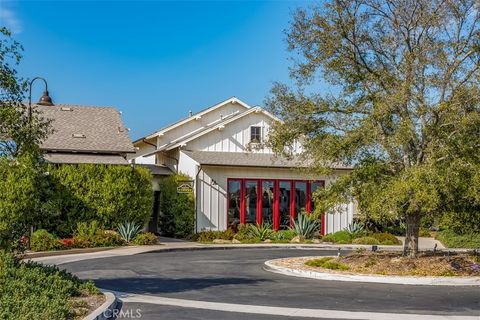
(45, 99)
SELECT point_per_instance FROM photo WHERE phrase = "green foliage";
(109, 194)
(340, 237)
(19, 198)
(90, 235)
(262, 232)
(406, 113)
(128, 230)
(365, 240)
(452, 240)
(177, 209)
(145, 239)
(385, 238)
(210, 235)
(244, 233)
(461, 222)
(355, 228)
(42, 240)
(327, 263)
(35, 291)
(306, 226)
(286, 235)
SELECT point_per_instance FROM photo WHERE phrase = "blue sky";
(153, 60)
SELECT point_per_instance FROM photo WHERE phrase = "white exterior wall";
(235, 137)
(211, 204)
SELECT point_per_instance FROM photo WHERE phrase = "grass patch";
(452, 240)
(327, 263)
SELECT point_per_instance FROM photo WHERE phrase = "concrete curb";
(106, 310)
(404, 280)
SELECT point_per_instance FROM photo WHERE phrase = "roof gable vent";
(66, 109)
(79, 135)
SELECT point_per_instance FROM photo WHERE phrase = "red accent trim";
(259, 201)
(276, 204)
(242, 201)
(322, 232)
(308, 205)
(292, 202)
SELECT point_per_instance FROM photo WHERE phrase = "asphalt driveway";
(237, 277)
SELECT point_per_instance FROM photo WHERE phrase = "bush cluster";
(327, 263)
(453, 240)
(345, 237)
(145, 239)
(35, 291)
(177, 218)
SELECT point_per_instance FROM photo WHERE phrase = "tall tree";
(405, 107)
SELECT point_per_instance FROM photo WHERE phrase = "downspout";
(197, 189)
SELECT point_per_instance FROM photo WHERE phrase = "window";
(256, 134)
(234, 198)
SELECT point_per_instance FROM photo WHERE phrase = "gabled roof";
(207, 130)
(85, 129)
(194, 116)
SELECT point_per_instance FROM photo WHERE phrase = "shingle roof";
(244, 159)
(74, 158)
(86, 129)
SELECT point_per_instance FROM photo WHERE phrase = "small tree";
(404, 108)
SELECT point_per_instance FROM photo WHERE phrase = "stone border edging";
(405, 280)
(106, 310)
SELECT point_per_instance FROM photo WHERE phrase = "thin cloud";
(9, 19)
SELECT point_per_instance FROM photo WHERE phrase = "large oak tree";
(403, 110)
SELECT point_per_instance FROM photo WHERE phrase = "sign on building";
(185, 186)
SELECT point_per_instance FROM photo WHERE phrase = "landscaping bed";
(35, 291)
(389, 263)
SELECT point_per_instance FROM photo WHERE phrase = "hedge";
(177, 216)
(109, 194)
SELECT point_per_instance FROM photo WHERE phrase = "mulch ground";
(395, 264)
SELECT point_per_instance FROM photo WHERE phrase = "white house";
(234, 183)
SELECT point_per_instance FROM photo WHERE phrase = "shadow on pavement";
(169, 285)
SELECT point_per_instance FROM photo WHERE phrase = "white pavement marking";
(282, 311)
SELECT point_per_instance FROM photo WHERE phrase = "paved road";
(237, 277)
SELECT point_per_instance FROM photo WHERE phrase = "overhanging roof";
(78, 158)
(250, 159)
(156, 169)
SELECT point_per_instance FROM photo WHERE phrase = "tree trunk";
(411, 240)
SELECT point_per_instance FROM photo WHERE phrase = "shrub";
(340, 237)
(35, 291)
(67, 243)
(244, 233)
(91, 235)
(128, 230)
(366, 240)
(354, 229)
(261, 231)
(147, 238)
(177, 218)
(452, 240)
(386, 238)
(306, 226)
(109, 194)
(210, 235)
(327, 263)
(286, 235)
(42, 240)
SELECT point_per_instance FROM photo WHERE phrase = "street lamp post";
(45, 99)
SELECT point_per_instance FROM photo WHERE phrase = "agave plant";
(306, 226)
(262, 231)
(354, 228)
(128, 230)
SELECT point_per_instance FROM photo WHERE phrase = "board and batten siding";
(211, 189)
(234, 137)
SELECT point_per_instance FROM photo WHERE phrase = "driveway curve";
(237, 277)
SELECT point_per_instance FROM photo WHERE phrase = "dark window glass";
(315, 186)
(251, 201)
(300, 196)
(234, 202)
(267, 202)
(255, 134)
(284, 203)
